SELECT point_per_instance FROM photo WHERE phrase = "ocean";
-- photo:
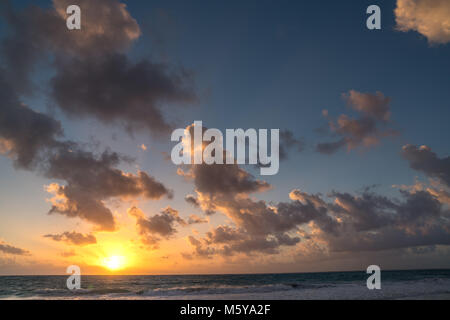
(411, 284)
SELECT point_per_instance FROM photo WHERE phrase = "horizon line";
(213, 274)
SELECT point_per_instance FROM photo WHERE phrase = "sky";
(86, 117)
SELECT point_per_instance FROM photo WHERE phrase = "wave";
(291, 290)
(224, 289)
(356, 290)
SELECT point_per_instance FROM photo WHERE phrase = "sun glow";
(114, 262)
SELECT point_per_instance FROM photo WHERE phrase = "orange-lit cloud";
(366, 130)
(430, 18)
(73, 237)
(12, 250)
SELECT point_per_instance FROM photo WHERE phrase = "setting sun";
(114, 262)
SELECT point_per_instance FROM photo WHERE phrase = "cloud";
(192, 200)
(372, 222)
(288, 142)
(25, 133)
(364, 131)
(31, 139)
(92, 179)
(158, 226)
(220, 181)
(217, 179)
(199, 249)
(73, 237)
(435, 187)
(93, 76)
(9, 249)
(100, 175)
(225, 179)
(259, 226)
(330, 147)
(430, 18)
(68, 254)
(227, 241)
(424, 159)
(35, 141)
(374, 105)
(194, 219)
(238, 241)
(115, 90)
(310, 222)
(106, 27)
(350, 223)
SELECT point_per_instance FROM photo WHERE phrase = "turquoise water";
(331, 285)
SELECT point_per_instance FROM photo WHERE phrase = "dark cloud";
(35, 140)
(390, 238)
(364, 131)
(218, 179)
(114, 90)
(91, 179)
(364, 222)
(9, 249)
(106, 27)
(93, 75)
(238, 241)
(192, 200)
(100, 177)
(260, 218)
(153, 228)
(260, 227)
(330, 147)
(24, 133)
(366, 212)
(73, 237)
(225, 179)
(77, 203)
(223, 234)
(30, 138)
(423, 159)
(228, 241)
(371, 222)
(289, 142)
(194, 219)
(351, 223)
(199, 249)
(370, 211)
(34, 32)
